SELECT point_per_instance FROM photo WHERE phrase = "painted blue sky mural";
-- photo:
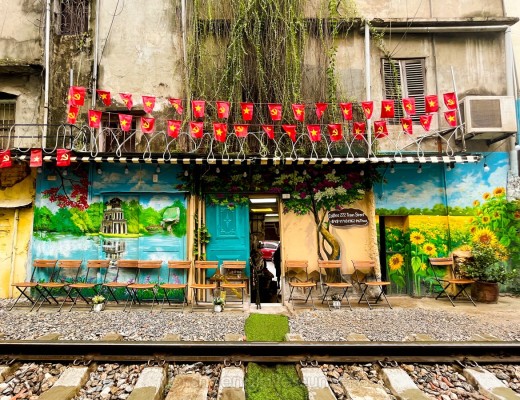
(464, 184)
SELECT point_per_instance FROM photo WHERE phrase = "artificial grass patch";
(280, 382)
(266, 328)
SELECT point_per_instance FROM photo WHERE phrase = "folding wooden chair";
(451, 279)
(93, 267)
(331, 279)
(178, 276)
(26, 287)
(365, 277)
(66, 273)
(199, 285)
(144, 281)
(297, 276)
(234, 281)
(121, 283)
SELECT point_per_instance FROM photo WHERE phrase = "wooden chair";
(297, 277)
(178, 276)
(234, 281)
(199, 285)
(66, 273)
(122, 266)
(26, 287)
(93, 267)
(143, 283)
(365, 277)
(331, 279)
(452, 279)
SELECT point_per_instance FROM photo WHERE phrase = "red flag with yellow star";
(174, 127)
(335, 132)
(72, 115)
(147, 124)
(450, 99)
(358, 130)
(177, 105)
(314, 132)
(380, 129)
(368, 108)
(247, 111)
(220, 131)
(77, 96)
(406, 124)
(62, 158)
(36, 158)
(5, 159)
(346, 111)
(223, 109)
(127, 100)
(148, 103)
(426, 121)
(125, 121)
(269, 130)
(291, 131)
(198, 107)
(196, 129)
(104, 96)
(431, 103)
(94, 118)
(299, 112)
(275, 111)
(409, 105)
(241, 130)
(320, 109)
(451, 117)
(387, 109)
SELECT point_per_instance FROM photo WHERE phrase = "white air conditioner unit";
(488, 117)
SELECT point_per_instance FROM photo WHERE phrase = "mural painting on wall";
(441, 212)
(128, 222)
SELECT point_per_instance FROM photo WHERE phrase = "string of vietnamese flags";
(77, 98)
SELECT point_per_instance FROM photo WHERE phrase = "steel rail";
(262, 352)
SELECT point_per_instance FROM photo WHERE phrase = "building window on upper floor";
(404, 78)
(72, 16)
(7, 114)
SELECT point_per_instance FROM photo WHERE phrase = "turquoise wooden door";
(229, 231)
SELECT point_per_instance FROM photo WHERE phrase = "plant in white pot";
(487, 265)
(218, 304)
(98, 303)
(336, 300)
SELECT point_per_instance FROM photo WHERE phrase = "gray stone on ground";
(189, 386)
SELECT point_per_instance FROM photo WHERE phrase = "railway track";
(41, 369)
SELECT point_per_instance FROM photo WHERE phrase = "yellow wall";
(298, 237)
(14, 257)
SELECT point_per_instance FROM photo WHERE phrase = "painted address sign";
(347, 217)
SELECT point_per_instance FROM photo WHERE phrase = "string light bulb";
(126, 170)
(419, 169)
(486, 167)
(362, 172)
(39, 170)
(244, 174)
(217, 170)
(392, 169)
(158, 169)
(186, 173)
(99, 171)
(448, 167)
(65, 172)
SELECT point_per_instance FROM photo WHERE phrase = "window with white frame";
(404, 78)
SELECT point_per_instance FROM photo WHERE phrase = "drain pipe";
(47, 72)
(96, 51)
(368, 86)
(13, 250)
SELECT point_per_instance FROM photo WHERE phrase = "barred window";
(7, 114)
(402, 79)
(73, 17)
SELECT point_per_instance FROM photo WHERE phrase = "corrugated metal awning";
(15, 203)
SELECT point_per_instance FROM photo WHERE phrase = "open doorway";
(264, 228)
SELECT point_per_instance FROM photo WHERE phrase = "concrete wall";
(21, 32)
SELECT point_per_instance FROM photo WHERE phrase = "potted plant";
(487, 265)
(218, 304)
(98, 303)
(336, 300)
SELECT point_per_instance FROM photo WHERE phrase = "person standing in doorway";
(277, 261)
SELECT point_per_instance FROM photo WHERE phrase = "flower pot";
(485, 292)
(98, 307)
(217, 308)
(336, 304)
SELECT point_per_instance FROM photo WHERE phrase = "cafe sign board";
(347, 217)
